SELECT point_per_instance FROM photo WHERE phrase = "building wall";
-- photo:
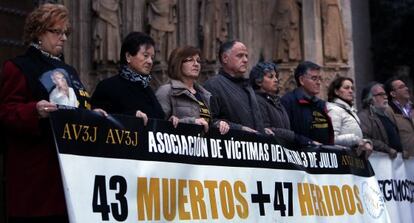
(252, 22)
(362, 43)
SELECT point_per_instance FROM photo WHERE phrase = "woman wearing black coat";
(129, 92)
(264, 79)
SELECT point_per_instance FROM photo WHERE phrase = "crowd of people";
(40, 82)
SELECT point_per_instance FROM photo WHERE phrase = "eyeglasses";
(59, 32)
(192, 60)
(382, 94)
(314, 78)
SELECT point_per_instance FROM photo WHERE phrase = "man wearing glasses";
(307, 113)
(400, 113)
(375, 123)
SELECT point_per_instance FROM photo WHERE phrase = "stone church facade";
(283, 31)
(332, 33)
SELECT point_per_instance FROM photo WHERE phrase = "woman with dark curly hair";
(264, 78)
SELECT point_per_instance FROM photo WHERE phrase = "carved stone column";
(286, 23)
(106, 35)
(286, 42)
(312, 36)
(78, 51)
(360, 61)
(343, 65)
(213, 29)
(313, 41)
(133, 17)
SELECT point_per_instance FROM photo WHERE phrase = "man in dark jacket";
(400, 112)
(307, 113)
(375, 123)
(233, 100)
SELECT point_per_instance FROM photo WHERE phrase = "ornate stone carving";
(279, 33)
(214, 27)
(162, 19)
(106, 32)
(286, 79)
(334, 44)
(286, 23)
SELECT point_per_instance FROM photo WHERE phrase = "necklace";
(37, 46)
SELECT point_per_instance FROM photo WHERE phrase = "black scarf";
(133, 76)
(38, 67)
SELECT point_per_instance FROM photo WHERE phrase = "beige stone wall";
(251, 21)
(261, 24)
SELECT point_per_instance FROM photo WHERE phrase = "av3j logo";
(373, 200)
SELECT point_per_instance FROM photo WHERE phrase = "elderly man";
(307, 113)
(400, 113)
(375, 124)
(233, 100)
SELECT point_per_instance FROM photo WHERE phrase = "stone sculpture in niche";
(214, 23)
(106, 32)
(286, 24)
(334, 45)
(162, 21)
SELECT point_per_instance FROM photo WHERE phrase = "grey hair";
(367, 95)
(225, 47)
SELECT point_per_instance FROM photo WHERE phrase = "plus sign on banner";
(115, 169)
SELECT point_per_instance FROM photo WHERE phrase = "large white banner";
(396, 181)
(116, 170)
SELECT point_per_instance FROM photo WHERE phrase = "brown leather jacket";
(405, 127)
(373, 129)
